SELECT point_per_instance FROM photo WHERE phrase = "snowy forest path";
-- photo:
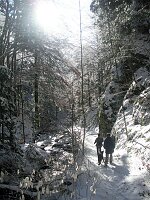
(119, 181)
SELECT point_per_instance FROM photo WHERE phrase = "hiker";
(98, 142)
(114, 138)
(109, 145)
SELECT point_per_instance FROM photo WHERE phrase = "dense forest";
(52, 93)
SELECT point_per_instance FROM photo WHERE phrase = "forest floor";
(125, 179)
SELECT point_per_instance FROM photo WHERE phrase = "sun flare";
(47, 16)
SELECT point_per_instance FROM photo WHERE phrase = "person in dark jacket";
(98, 142)
(109, 145)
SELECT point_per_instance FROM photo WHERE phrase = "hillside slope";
(132, 126)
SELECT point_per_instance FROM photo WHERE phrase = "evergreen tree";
(123, 29)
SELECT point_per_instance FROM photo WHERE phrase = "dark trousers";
(98, 150)
(99, 154)
(107, 158)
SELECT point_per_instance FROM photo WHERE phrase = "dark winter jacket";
(109, 145)
(99, 141)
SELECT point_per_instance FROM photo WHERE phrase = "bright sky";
(62, 17)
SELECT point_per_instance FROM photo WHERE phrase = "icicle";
(2, 177)
(74, 176)
(38, 196)
(43, 190)
(40, 183)
(20, 185)
(47, 189)
(31, 185)
(37, 187)
(94, 191)
(22, 198)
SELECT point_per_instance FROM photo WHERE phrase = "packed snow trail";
(125, 179)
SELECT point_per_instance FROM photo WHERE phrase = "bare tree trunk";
(111, 44)
(2, 135)
(89, 92)
(99, 115)
(99, 93)
(125, 123)
(100, 90)
(36, 93)
(82, 80)
(72, 124)
(15, 79)
(22, 115)
(22, 103)
(10, 127)
(72, 131)
(3, 36)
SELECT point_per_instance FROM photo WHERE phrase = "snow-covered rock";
(36, 157)
(132, 126)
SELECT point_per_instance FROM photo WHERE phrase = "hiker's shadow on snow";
(121, 170)
(118, 171)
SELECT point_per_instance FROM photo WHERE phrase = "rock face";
(7, 193)
(36, 156)
(111, 102)
(132, 125)
(113, 96)
(141, 108)
(134, 97)
(132, 59)
(10, 161)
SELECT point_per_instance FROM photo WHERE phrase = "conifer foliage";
(124, 31)
(35, 64)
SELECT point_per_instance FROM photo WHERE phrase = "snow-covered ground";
(125, 179)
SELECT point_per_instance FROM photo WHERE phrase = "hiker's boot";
(111, 158)
(106, 159)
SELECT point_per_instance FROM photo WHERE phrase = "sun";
(47, 16)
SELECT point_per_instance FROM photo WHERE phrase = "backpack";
(99, 141)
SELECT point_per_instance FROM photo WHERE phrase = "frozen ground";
(125, 179)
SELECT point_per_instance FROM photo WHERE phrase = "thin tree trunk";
(22, 115)
(72, 124)
(15, 80)
(99, 115)
(100, 88)
(22, 103)
(82, 80)
(125, 123)
(72, 131)
(3, 36)
(36, 93)
(2, 129)
(111, 44)
(89, 93)
(99, 93)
